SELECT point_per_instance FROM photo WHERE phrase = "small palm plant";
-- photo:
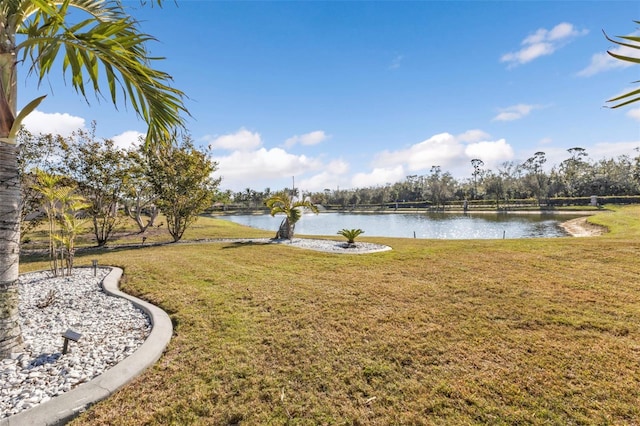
(350, 235)
(51, 189)
(71, 225)
(63, 207)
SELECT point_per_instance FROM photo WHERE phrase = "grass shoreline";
(532, 331)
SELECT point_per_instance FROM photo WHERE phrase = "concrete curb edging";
(63, 408)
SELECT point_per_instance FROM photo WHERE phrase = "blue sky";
(354, 94)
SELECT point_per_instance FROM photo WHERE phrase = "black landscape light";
(69, 335)
(94, 262)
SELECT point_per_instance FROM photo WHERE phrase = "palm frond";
(305, 205)
(625, 96)
(632, 96)
(294, 215)
(350, 234)
(105, 49)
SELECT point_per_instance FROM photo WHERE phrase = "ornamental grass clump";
(350, 235)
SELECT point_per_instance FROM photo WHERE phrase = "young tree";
(440, 186)
(139, 198)
(494, 185)
(181, 179)
(62, 206)
(71, 206)
(282, 203)
(537, 178)
(103, 46)
(51, 189)
(99, 169)
(573, 170)
(34, 153)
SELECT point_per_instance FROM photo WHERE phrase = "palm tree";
(292, 210)
(103, 46)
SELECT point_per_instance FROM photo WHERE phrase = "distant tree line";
(512, 182)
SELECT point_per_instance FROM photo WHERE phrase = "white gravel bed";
(334, 246)
(330, 246)
(111, 328)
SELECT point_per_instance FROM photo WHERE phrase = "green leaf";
(109, 43)
(634, 60)
(28, 109)
(624, 58)
(626, 95)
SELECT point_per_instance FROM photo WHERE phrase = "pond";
(449, 226)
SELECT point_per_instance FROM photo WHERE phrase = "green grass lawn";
(536, 331)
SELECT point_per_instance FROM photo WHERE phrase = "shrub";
(350, 234)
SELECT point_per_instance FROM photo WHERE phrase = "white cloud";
(128, 139)
(246, 168)
(54, 123)
(275, 167)
(563, 31)
(242, 140)
(378, 176)
(491, 153)
(439, 150)
(451, 153)
(311, 138)
(330, 177)
(515, 112)
(65, 124)
(634, 113)
(473, 136)
(249, 164)
(528, 53)
(541, 43)
(612, 149)
(596, 152)
(337, 167)
(602, 61)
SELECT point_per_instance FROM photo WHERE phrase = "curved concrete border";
(61, 409)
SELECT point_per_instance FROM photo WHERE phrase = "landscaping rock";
(111, 328)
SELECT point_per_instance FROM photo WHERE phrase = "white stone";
(41, 371)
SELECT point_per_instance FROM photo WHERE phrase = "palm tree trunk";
(285, 231)
(10, 334)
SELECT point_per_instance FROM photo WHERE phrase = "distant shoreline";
(422, 211)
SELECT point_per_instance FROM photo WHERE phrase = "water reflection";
(425, 225)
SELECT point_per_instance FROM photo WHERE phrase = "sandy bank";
(581, 227)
